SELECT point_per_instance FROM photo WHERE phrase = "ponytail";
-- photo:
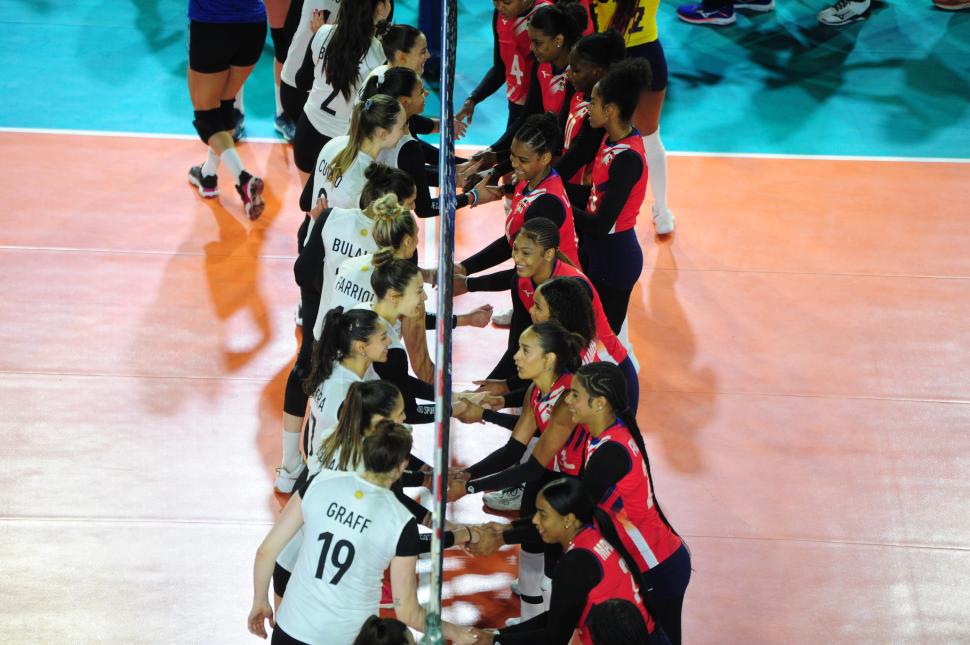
(340, 329)
(379, 111)
(607, 380)
(349, 41)
(364, 399)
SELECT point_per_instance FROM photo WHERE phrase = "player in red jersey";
(617, 475)
(512, 61)
(589, 61)
(538, 193)
(595, 568)
(547, 355)
(552, 30)
(609, 250)
(538, 259)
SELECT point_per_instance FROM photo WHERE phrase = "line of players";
(596, 535)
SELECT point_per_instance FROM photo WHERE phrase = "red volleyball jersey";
(617, 581)
(552, 86)
(523, 198)
(601, 176)
(572, 456)
(578, 112)
(542, 406)
(630, 504)
(526, 293)
(515, 48)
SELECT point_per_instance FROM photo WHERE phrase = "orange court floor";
(804, 342)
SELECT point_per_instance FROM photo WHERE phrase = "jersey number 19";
(342, 557)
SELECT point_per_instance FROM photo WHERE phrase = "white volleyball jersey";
(327, 109)
(347, 233)
(301, 38)
(326, 401)
(352, 285)
(288, 556)
(390, 155)
(345, 192)
(352, 530)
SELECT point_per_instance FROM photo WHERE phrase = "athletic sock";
(237, 102)
(279, 102)
(656, 168)
(231, 158)
(531, 568)
(291, 451)
(211, 164)
(624, 338)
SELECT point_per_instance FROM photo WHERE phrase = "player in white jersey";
(360, 529)
(340, 448)
(404, 85)
(399, 293)
(353, 341)
(313, 15)
(377, 124)
(340, 57)
(336, 234)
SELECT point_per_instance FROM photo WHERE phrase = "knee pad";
(280, 44)
(227, 114)
(208, 123)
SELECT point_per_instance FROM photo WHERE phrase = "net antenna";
(446, 255)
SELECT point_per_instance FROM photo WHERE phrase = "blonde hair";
(379, 111)
(392, 222)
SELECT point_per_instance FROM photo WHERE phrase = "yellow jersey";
(643, 26)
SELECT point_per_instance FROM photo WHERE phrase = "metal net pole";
(446, 252)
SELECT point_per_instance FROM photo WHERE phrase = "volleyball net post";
(442, 379)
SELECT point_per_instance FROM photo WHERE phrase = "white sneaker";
(513, 621)
(515, 588)
(285, 479)
(843, 12)
(663, 221)
(509, 499)
(502, 318)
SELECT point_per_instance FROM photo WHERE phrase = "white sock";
(279, 102)
(238, 101)
(656, 168)
(231, 158)
(211, 164)
(546, 592)
(291, 451)
(624, 338)
(531, 570)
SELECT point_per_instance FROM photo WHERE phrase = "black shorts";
(215, 47)
(292, 100)
(653, 52)
(282, 638)
(281, 577)
(307, 144)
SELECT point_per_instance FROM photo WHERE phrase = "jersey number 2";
(342, 557)
(325, 106)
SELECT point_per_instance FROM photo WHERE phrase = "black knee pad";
(280, 43)
(228, 114)
(208, 123)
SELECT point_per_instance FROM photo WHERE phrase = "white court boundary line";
(672, 153)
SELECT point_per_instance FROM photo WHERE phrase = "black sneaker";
(251, 190)
(208, 185)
